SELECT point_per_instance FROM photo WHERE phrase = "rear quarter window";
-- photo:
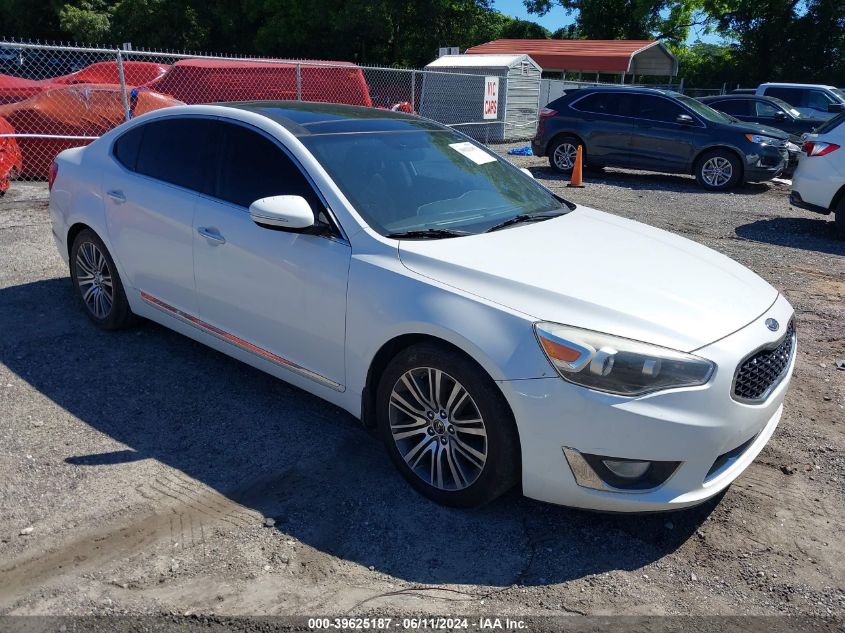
(126, 147)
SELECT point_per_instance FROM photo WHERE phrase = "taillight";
(547, 112)
(817, 148)
(51, 177)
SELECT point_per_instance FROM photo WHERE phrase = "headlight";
(763, 140)
(618, 365)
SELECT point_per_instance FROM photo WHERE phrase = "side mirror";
(282, 212)
(780, 115)
(835, 107)
(527, 172)
(685, 119)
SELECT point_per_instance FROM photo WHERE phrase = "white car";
(492, 332)
(818, 183)
(814, 100)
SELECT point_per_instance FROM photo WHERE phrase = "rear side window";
(606, 103)
(659, 109)
(252, 167)
(793, 96)
(736, 107)
(126, 147)
(176, 151)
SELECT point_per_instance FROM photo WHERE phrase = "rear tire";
(839, 219)
(97, 283)
(718, 170)
(447, 427)
(562, 154)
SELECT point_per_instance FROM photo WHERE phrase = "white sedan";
(493, 333)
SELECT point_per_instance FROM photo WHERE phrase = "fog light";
(626, 469)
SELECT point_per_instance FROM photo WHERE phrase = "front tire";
(97, 283)
(447, 427)
(718, 170)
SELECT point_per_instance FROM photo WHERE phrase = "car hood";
(747, 127)
(598, 271)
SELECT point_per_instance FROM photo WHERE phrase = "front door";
(658, 141)
(278, 294)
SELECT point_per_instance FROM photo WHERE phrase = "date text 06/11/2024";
(422, 623)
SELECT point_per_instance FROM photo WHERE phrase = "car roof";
(739, 96)
(794, 85)
(633, 89)
(304, 118)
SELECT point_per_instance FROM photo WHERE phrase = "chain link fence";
(56, 97)
(53, 97)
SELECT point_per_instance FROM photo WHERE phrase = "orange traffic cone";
(577, 180)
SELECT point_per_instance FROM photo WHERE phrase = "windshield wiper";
(525, 217)
(428, 234)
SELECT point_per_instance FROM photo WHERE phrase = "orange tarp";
(81, 110)
(10, 156)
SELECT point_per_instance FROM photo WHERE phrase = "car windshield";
(428, 180)
(704, 110)
(839, 93)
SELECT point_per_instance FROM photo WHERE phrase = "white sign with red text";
(491, 97)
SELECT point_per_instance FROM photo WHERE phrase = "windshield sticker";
(475, 154)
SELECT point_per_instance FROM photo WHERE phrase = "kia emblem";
(772, 324)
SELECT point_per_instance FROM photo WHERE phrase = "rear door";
(609, 123)
(658, 141)
(277, 294)
(150, 195)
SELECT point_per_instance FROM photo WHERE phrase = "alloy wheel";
(438, 428)
(94, 279)
(717, 171)
(564, 156)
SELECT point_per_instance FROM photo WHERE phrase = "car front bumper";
(694, 426)
(765, 162)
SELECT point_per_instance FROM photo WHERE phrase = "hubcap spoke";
(428, 411)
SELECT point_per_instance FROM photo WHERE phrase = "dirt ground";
(137, 468)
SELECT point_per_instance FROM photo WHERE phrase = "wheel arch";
(558, 135)
(838, 197)
(388, 352)
(76, 229)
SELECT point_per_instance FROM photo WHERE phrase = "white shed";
(456, 91)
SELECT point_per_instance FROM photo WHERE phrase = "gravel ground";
(137, 469)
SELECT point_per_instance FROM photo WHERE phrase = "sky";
(558, 17)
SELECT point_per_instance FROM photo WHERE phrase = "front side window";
(818, 100)
(251, 167)
(420, 179)
(659, 109)
(766, 110)
(176, 151)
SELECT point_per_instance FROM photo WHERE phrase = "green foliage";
(524, 30)
(90, 21)
(763, 40)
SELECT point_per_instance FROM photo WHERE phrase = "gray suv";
(658, 130)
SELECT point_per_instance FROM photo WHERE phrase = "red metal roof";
(586, 55)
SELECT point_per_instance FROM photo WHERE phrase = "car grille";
(760, 373)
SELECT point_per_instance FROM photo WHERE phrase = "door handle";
(211, 235)
(117, 196)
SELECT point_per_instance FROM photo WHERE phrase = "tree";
(88, 22)
(628, 19)
(524, 30)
